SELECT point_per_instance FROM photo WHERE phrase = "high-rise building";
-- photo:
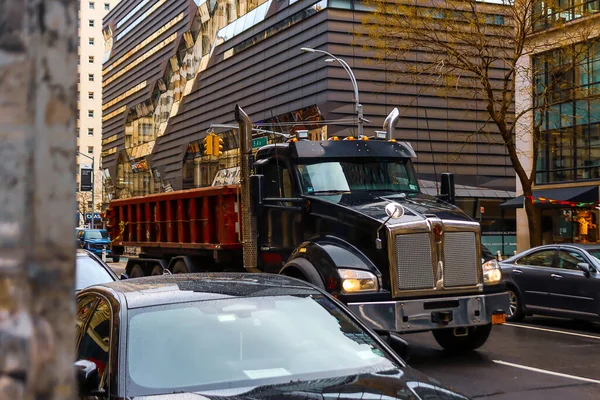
(563, 90)
(89, 101)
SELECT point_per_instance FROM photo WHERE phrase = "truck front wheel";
(457, 341)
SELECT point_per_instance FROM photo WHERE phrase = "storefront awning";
(563, 197)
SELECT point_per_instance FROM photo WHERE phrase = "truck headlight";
(356, 281)
(491, 272)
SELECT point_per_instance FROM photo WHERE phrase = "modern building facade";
(174, 68)
(563, 89)
(89, 104)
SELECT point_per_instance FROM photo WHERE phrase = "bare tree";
(473, 50)
(38, 75)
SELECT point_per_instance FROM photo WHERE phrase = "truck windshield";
(96, 235)
(356, 175)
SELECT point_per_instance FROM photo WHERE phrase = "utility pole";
(38, 84)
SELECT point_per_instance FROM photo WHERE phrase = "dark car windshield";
(96, 234)
(89, 272)
(245, 342)
(354, 175)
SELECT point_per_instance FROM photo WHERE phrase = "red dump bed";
(205, 218)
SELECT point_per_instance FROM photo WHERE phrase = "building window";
(552, 13)
(106, 6)
(91, 23)
(91, 5)
(566, 89)
(91, 41)
(90, 149)
(91, 77)
(91, 95)
(90, 131)
(91, 59)
(77, 132)
(91, 113)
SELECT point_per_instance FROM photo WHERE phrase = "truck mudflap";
(433, 313)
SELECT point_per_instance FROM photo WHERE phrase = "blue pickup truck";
(95, 240)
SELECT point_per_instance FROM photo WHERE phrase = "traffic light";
(208, 144)
(217, 146)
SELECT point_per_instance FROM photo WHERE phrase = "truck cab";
(96, 241)
(348, 216)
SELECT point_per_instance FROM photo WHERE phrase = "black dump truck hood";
(372, 204)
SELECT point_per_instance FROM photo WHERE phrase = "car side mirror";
(399, 345)
(88, 380)
(585, 267)
(124, 276)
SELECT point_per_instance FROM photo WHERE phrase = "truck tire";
(515, 309)
(474, 339)
(136, 271)
(157, 270)
(302, 269)
(180, 267)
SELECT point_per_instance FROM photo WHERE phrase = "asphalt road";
(540, 358)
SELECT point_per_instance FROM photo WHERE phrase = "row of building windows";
(92, 6)
(567, 102)
(556, 12)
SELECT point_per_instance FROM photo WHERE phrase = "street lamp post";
(92, 222)
(358, 107)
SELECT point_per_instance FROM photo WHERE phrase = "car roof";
(165, 289)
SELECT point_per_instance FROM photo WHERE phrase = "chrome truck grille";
(460, 259)
(416, 261)
(415, 266)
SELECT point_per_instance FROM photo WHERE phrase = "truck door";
(279, 230)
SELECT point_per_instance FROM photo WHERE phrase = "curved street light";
(344, 64)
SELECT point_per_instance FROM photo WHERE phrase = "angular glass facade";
(567, 100)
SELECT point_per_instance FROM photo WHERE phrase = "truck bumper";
(429, 314)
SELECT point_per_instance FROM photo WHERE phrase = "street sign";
(86, 180)
(259, 142)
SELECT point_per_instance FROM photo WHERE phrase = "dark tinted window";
(568, 259)
(543, 258)
(278, 180)
(89, 272)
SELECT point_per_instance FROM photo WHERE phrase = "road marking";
(544, 371)
(535, 328)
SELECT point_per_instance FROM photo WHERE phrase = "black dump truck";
(344, 215)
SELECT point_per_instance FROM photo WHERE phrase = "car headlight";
(356, 281)
(491, 272)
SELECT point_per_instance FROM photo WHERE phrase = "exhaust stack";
(390, 123)
(249, 243)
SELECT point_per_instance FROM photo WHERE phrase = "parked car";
(90, 270)
(95, 240)
(257, 336)
(560, 280)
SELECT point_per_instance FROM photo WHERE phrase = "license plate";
(498, 319)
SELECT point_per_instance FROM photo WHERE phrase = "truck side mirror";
(257, 190)
(448, 192)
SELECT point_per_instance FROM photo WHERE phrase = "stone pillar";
(38, 84)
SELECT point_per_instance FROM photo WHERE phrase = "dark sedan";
(559, 280)
(242, 336)
(90, 270)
